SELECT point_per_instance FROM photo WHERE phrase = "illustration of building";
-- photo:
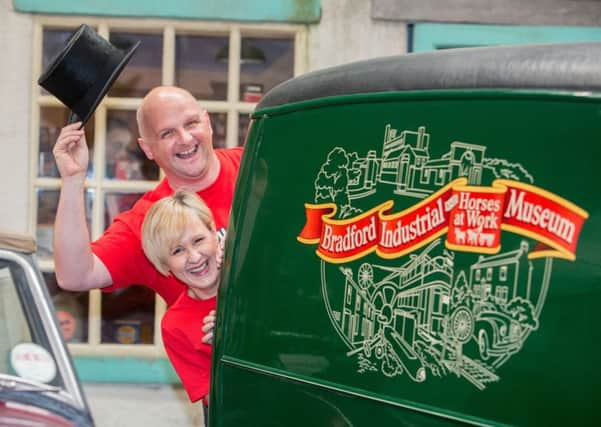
(502, 277)
(424, 293)
(406, 164)
(412, 298)
(357, 315)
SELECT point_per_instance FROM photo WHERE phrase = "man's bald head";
(177, 134)
(152, 100)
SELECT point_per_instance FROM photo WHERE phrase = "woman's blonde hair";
(165, 223)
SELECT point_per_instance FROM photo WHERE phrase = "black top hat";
(83, 71)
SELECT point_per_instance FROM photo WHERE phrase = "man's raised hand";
(71, 152)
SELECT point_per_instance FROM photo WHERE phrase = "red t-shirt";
(182, 334)
(120, 247)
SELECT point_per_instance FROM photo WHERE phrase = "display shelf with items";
(252, 92)
(144, 70)
(243, 123)
(198, 68)
(128, 316)
(124, 158)
(52, 119)
(264, 63)
(219, 123)
(115, 203)
(72, 310)
(47, 201)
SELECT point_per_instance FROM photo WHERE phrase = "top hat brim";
(84, 108)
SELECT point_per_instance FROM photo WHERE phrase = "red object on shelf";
(252, 93)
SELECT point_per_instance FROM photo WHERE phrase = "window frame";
(94, 350)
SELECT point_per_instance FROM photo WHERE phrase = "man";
(174, 132)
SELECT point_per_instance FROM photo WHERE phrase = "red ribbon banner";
(473, 217)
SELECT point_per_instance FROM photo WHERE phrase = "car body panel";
(12, 414)
(37, 377)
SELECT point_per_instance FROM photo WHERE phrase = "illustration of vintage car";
(496, 333)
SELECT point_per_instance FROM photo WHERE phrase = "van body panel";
(415, 258)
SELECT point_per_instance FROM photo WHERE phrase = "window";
(503, 273)
(501, 294)
(227, 66)
(437, 302)
(485, 291)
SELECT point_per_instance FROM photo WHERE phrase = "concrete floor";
(133, 405)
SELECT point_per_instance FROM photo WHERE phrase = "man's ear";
(146, 148)
(207, 119)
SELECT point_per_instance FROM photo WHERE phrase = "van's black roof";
(562, 66)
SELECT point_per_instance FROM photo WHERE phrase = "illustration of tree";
(503, 169)
(522, 310)
(331, 184)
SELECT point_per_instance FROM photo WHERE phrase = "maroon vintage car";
(38, 384)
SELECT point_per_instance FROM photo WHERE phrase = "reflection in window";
(47, 201)
(71, 310)
(123, 156)
(264, 63)
(115, 203)
(199, 68)
(219, 124)
(143, 71)
(243, 122)
(52, 120)
(128, 316)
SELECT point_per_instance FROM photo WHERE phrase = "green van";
(416, 241)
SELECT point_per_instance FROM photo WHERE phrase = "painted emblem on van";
(452, 284)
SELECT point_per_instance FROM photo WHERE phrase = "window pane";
(47, 203)
(15, 327)
(128, 316)
(53, 41)
(143, 71)
(243, 122)
(263, 64)
(116, 203)
(201, 65)
(52, 119)
(123, 156)
(219, 124)
(71, 310)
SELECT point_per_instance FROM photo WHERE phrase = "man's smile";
(189, 153)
